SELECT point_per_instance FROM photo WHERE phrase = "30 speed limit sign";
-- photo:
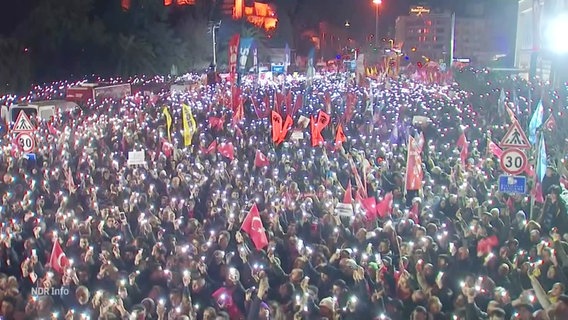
(513, 161)
(26, 142)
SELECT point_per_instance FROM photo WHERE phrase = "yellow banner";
(189, 125)
(168, 116)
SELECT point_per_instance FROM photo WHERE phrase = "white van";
(44, 110)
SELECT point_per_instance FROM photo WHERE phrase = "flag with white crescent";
(252, 225)
(58, 260)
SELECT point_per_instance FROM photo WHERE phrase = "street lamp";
(213, 27)
(377, 5)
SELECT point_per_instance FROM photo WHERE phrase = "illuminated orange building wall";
(260, 14)
(179, 2)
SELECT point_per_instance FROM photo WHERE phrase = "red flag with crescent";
(58, 259)
(253, 226)
(260, 160)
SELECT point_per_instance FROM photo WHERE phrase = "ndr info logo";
(39, 291)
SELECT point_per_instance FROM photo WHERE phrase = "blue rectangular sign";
(513, 184)
(278, 69)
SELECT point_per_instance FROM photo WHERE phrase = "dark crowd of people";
(163, 239)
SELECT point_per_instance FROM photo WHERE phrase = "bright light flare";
(555, 34)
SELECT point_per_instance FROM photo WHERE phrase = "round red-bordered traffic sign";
(26, 141)
(513, 161)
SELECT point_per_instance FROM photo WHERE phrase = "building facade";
(441, 36)
(425, 34)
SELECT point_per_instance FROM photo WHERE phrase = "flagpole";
(536, 160)
(406, 171)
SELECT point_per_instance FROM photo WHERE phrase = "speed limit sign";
(513, 161)
(26, 142)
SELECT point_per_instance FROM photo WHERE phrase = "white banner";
(136, 158)
(344, 209)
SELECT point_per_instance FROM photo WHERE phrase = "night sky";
(501, 10)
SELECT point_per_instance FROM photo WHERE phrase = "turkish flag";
(260, 160)
(384, 208)
(58, 259)
(227, 150)
(495, 149)
(550, 123)
(537, 193)
(369, 205)
(252, 225)
(224, 298)
(216, 123)
(486, 245)
(211, 148)
(463, 145)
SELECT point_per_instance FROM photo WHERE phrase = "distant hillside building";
(260, 14)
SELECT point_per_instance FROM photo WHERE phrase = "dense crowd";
(85, 235)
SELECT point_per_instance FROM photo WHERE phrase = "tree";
(194, 50)
(14, 66)
(134, 56)
(62, 36)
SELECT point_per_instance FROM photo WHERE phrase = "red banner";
(233, 55)
(414, 173)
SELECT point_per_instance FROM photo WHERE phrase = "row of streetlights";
(377, 4)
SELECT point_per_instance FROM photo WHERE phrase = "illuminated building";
(431, 35)
(424, 33)
(179, 2)
(259, 14)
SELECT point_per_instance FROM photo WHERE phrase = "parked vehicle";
(97, 91)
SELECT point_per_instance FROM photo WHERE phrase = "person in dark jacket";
(551, 178)
(554, 214)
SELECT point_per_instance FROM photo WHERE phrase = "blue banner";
(311, 57)
(287, 55)
(244, 50)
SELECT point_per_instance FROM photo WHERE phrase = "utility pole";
(213, 27)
